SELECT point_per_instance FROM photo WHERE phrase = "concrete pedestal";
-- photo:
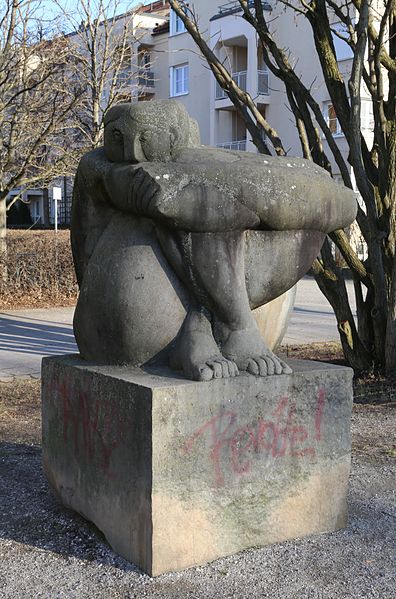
(177, 473)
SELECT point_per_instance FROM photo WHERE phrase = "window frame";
(174, 22)
(172, 75)
(338, 132)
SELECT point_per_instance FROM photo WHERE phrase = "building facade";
(170, 66)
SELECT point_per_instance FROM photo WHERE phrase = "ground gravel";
(47, 551)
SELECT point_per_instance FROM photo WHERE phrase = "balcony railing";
(230, 8)
(146, 78)
(240, 80)
(239, 146)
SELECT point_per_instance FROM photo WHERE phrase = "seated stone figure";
(229, 231)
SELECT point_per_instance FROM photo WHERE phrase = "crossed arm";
(171, 194)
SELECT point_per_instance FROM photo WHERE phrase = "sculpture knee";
(276, 260)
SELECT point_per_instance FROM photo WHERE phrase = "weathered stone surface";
(175, 244)
(128, 270)
(176, 473)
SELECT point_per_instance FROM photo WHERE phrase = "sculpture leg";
(214, 270)
(217, 262)
(196, 352)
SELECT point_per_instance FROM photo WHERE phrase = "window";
(179, 80)
(176, 25)
(342, 48)
(35, 209)
(367, 116)
(331, 119)
(146, 76)
(122, 57)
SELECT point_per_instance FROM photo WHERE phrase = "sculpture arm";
(171, 194)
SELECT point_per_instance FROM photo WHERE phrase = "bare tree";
(104, 61)
(35, 103)
(370, 33)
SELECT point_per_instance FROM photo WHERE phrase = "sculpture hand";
(142, 192)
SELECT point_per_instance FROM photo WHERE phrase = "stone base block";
(177, 473)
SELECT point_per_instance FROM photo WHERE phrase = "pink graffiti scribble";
(91, 426)
(281, 436)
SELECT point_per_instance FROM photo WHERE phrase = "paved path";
(28, 335)
(313, 318)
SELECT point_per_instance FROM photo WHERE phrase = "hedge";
(37, 270)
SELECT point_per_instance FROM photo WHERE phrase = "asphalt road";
(313, 318)
(28, 335)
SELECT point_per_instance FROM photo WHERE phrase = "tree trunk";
(46, 209)
(390, 340)
(3, 240)
(332, 285)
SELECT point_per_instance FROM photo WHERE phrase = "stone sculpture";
(175, 243)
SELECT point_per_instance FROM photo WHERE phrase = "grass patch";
(20, 412)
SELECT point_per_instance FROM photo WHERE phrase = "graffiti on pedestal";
(282, 435)
(90, 426)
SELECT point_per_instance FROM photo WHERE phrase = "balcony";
(146, 78)
(240, 79)
(239, 146)
(124, 78)
(233, 7)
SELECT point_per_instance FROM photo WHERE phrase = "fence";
(233, 145)
(64, 211)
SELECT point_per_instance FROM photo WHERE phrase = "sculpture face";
(146, 132)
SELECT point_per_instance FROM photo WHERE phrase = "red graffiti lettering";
(94, 428)
(279, 437)
(242, 440)
(218, 427)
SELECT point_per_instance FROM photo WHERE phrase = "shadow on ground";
(32, 515)
(33, 336)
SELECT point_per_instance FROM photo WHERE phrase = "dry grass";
(40, 270)
(324, 351)
(20, 412)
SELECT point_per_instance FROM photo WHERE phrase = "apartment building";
(181, 73)
(184, 75)
(178, 71)
(170, 66)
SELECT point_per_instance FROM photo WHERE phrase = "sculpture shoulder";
(92, 166)
(93, 157)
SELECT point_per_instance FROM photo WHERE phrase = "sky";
(50, 5)
(50, 8)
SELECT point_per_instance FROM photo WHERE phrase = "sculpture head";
(148, 131)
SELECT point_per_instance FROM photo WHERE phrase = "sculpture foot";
(196, 352)
(248, 350)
